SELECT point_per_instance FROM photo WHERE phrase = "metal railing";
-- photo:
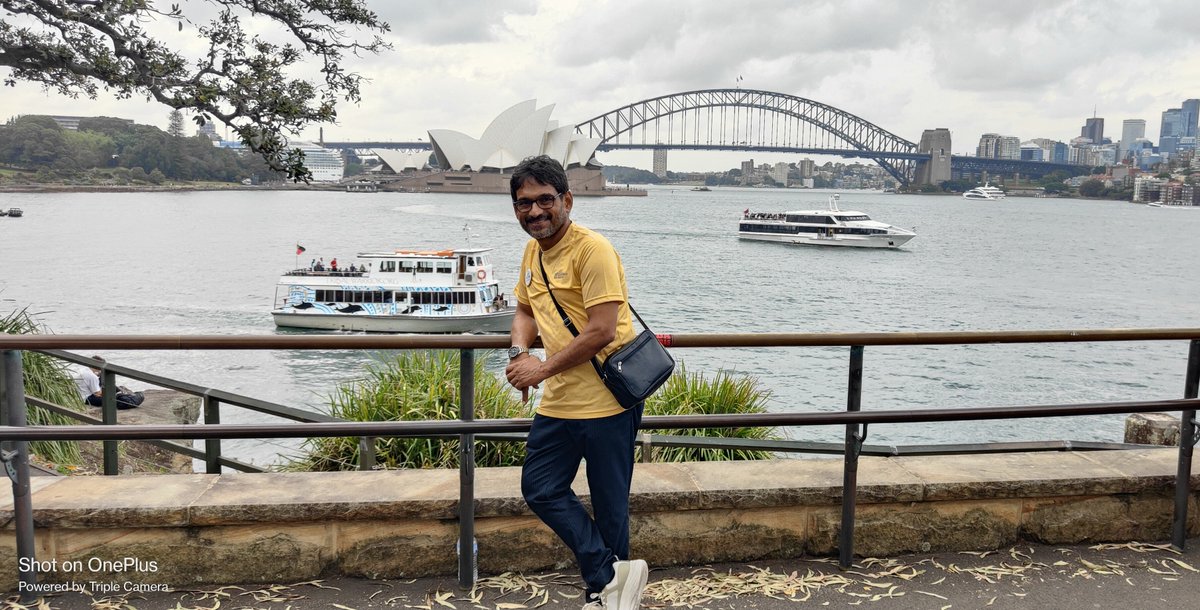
(855, 420)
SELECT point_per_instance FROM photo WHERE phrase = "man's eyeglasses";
(544, 201)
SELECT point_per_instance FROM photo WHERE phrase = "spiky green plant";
(414, 386)
(48, 379)
(693, 394)
(424, 385)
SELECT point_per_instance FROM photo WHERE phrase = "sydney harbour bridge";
(763, 121)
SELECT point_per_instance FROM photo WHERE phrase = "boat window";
(424, 267)
(445, 268)
(387, 266)
(471, 261)
(406, 267)
(400, 297)
(353, 296)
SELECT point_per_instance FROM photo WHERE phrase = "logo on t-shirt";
(528, 276)
(560, 275)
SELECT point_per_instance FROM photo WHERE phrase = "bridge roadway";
(1025, 576)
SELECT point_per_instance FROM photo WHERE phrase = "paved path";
(1125, 576)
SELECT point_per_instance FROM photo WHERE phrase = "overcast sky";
(1027, 68)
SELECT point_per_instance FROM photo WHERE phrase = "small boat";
(701, 188)
(15, 212)
(1153, 204)
(829, 227)
(986, 191)
(404, 291)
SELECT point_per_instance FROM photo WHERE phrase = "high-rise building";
(779, 173)
(1170, 130)
(807, 168)
(1131, 130)
(989, 146)
(1189, 117)
(660, 162)
(996, 146)
(1093, 129)
(1032, 152)
(1010, 147)
(748, 172)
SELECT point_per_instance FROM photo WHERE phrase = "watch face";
(514, 351)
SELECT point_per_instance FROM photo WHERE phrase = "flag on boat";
(299, 249)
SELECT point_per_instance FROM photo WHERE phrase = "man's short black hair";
(541, 169)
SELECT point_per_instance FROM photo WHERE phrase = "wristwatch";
(516, 350)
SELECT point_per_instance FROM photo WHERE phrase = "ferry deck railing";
(16, 433)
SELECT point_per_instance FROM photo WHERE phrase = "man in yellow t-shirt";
(578, 417)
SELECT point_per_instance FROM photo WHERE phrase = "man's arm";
(600, 330)
(524, 331)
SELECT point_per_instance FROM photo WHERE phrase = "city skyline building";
(660, 162)
(1170, 129)
(1093, 129)
(1131, 130)
(1189, 118)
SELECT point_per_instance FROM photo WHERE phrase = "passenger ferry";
(405, 291)
(831, 227)
(986, 191)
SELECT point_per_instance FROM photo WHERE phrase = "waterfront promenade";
(1127, 575)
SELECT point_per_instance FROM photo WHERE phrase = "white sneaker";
(624, 592)
(594, 605)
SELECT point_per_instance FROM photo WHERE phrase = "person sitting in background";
(87, 381)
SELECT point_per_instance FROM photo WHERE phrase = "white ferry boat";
(986, 191)
(405, 291)
(831, 227)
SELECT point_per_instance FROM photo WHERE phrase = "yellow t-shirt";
(584, 270)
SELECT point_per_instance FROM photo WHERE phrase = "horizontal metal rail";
(650, 422)
(166, 445)
(207, 342)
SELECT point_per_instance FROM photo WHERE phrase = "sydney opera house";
(481, 165)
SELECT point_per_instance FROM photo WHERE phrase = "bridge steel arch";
(893, 153)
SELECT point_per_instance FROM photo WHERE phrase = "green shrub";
(415, 386)
(48, 379)
(693, 394)
(424, 385)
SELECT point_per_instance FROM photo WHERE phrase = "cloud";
(442, 23)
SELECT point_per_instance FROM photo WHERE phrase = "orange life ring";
(481, 274)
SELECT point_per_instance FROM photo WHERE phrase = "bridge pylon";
(935, 169)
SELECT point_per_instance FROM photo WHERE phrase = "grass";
(48, 379)
(694, 394)
(424, 385)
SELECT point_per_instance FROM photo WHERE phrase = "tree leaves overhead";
(252, 83)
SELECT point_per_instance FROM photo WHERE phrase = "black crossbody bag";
(633, 372)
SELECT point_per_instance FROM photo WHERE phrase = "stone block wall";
(204, 529)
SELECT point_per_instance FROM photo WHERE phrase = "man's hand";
(525, 372)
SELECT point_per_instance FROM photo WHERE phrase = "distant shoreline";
(160, 188)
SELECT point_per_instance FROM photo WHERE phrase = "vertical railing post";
(850, 467)
(467, 567)
(212, 446)
(366, 453)
(1187, 441)
(108, 415)
(16, 461)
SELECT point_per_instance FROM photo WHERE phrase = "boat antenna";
(833, 202)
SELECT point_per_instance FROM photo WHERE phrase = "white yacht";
(986, 191)
(830, 227)
(405, 291)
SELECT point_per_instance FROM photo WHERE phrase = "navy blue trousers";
(553, 452)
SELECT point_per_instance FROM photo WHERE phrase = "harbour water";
(207, 263)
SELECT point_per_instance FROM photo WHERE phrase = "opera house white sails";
(519, 132)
